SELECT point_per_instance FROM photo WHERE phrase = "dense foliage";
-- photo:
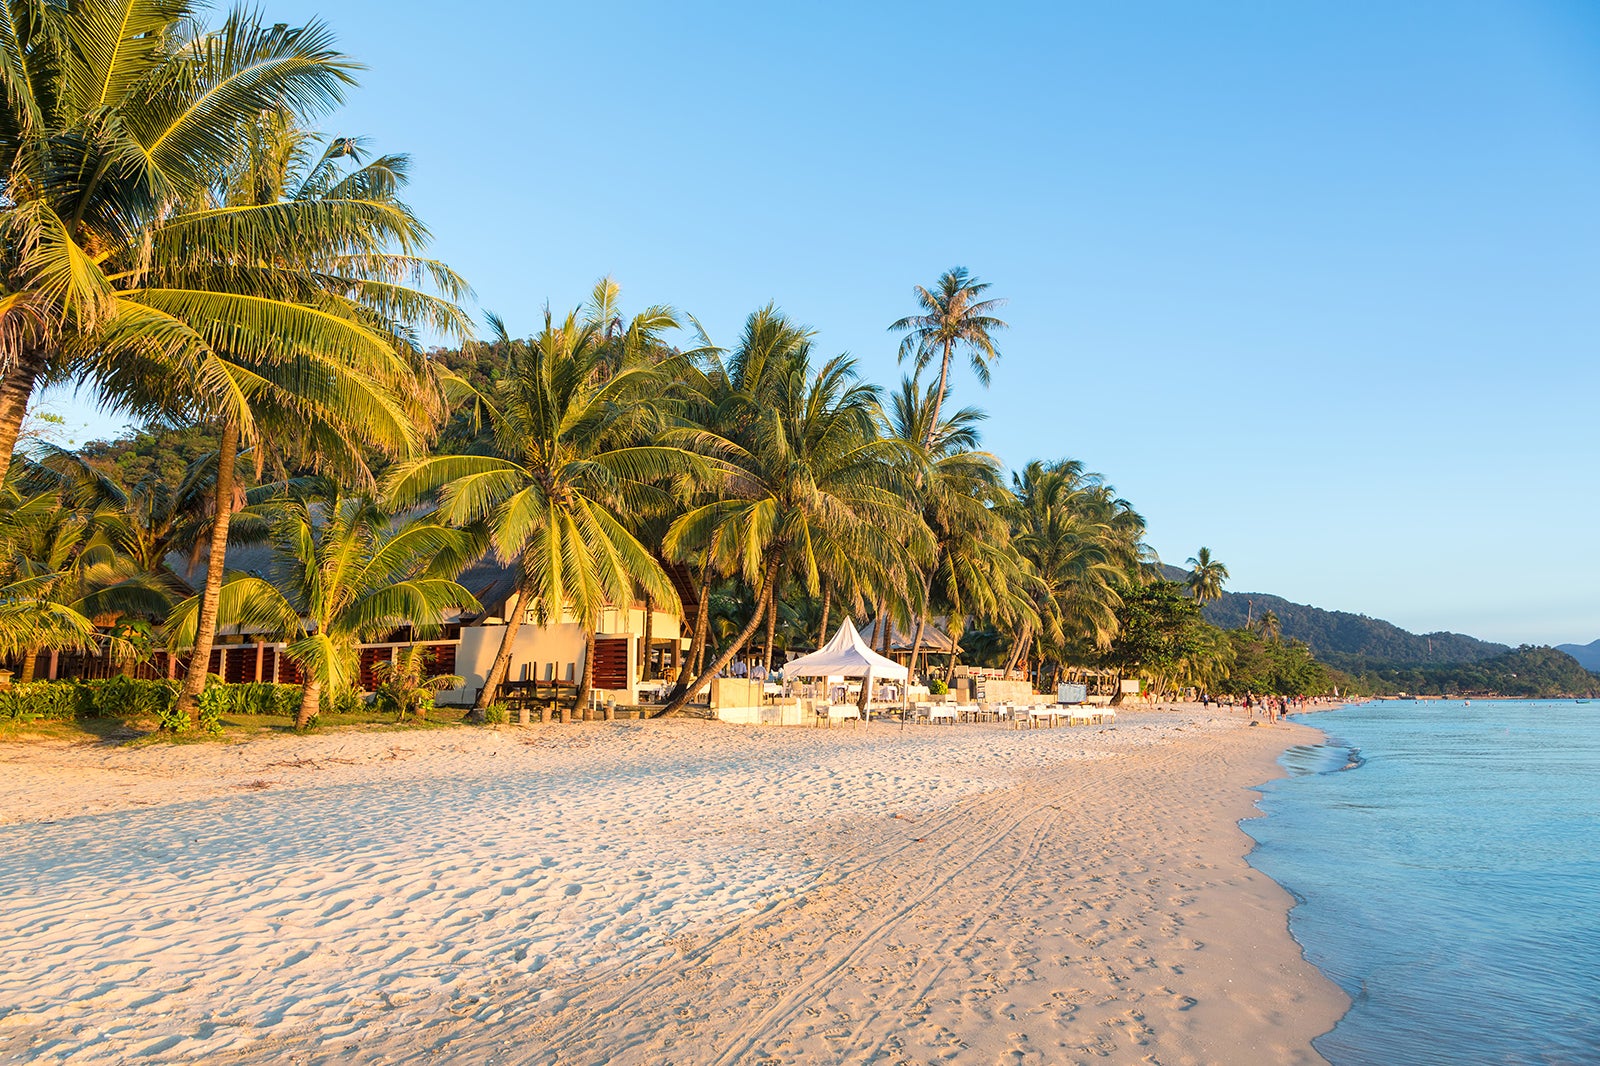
(1529, 671)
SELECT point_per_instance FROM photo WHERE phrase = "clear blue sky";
(1315, 285)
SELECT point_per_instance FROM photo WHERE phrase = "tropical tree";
(114, 112)
(1080, 545)
(59, 573)
(953, 316)
(344, 571)
(406, 685)
(144, 253)
(1270, 628)
(801, 465)
(972, 569)
(1206, 576)
(293, 235)
(569, 449)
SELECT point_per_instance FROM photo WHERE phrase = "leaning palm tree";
(569, 451)
(804, 466)
(344, 571)
(1206, 576)
(953, 316)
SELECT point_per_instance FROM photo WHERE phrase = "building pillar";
(55, 662)
(261, 658)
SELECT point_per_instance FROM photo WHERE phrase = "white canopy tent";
(847, 655)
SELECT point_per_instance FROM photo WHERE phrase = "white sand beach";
(663, 892)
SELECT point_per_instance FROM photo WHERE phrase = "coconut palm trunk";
(772, 628)
(938, 399)
(649, 634)
(310, 702)
(916, 642)
(922, 621)
(1019, 649)
(30, 664)
(16, 388)
(586, 682)
(827, 604)
(502, 658)
(697, 640)
(678, 701)
(194, 678)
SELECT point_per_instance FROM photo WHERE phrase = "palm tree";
(1071, 549)
(310, 273)
(1271, 629)
(60, 572)
(114, 112)
(1206, 576)
(955, 485)
(953, 316)
(344, 571)
(569, 452)
(802, 465)
(169, 278)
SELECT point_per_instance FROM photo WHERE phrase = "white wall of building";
(552, 652)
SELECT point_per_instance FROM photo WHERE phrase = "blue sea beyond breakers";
(1446, 859)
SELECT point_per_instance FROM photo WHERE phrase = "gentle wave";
(1452, 886)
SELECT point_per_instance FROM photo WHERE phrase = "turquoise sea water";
(1446, 859)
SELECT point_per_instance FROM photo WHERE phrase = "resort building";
(549, 657)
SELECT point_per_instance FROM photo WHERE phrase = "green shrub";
(53, 700)
(129, 697)
(263, 697)
(937, 687)
(115, 697)
(345, 701)
(496, 714)
(173, 720)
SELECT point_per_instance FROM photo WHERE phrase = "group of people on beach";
(1274, 707)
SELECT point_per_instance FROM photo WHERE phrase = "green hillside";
(1526, 671)
(1350, 642)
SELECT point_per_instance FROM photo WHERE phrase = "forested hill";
(1529, 672)
(1347, 641)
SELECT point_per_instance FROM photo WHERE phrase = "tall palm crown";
(954, 316)
(569, 450)
(1080, 541)
(114, 113)
(304, 276)
(1206, 576)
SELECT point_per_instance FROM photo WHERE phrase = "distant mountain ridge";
(1588, 655)
(1344, 640)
